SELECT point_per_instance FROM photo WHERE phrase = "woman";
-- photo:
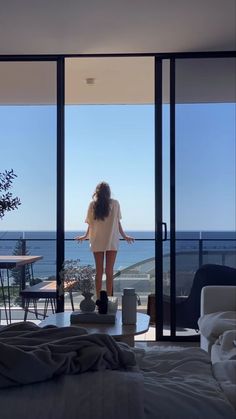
(103, 231)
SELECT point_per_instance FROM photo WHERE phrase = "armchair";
(188, 309)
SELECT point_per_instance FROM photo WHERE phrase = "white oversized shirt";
(104, 234)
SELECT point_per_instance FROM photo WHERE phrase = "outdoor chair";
(45, 290)
(188, 308)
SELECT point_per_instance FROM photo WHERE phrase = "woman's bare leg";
(99, 260)
(110, 260)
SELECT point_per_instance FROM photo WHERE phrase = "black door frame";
(60, 155)
(60, 234)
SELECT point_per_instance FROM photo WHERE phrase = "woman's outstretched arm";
(83, 237)
(129, 239)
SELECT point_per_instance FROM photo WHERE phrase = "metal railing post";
(22, 273)
(200, 253)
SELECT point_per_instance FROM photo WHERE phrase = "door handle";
(165, 231)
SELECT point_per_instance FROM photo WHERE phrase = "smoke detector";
(90, 80)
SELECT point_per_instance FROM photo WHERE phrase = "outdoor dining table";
(10, 262)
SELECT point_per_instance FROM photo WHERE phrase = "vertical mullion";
(158, 200)
(172, 204)
(60, 235)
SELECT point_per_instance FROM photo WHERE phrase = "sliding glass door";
(203, 176)
(160, 131)
(28, 137)
(110, 137)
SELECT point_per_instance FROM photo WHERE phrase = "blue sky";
(116, 144)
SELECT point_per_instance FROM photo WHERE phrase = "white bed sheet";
(166, 385)
(225, 373)
(92, 395)
(224, 347)
(213, 325)
(180, 384)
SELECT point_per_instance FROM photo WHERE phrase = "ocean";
(215, 247)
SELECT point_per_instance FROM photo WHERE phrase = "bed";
(66, 373)
(218, 313)
(217, 325)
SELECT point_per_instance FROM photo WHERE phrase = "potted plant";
(79, 278)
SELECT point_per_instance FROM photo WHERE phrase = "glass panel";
(205, 171)
(166, 195)
(28, 146)
(110, 136)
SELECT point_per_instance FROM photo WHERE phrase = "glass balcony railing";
(134, 267)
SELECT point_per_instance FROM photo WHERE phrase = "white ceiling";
(116, 26)
(117, 80)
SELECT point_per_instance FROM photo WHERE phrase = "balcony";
(135, 267)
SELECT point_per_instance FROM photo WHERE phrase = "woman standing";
(103, 231)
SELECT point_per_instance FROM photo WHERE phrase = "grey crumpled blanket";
(30, 354)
